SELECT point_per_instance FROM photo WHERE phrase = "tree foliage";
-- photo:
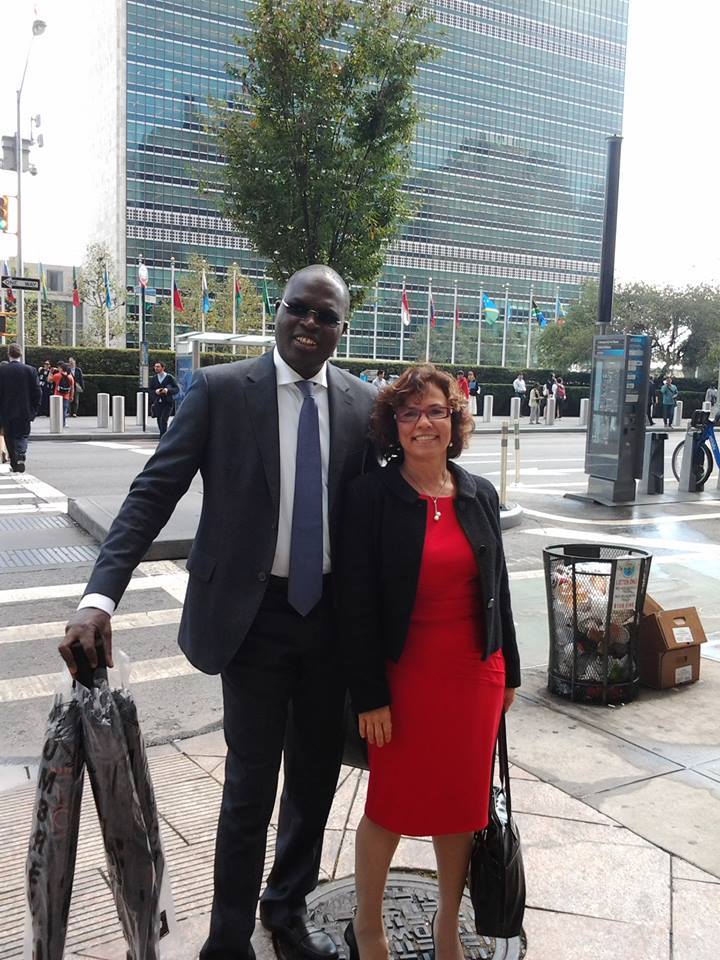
(248, 315)
(92, 290)
(317, 145)
(683, 326)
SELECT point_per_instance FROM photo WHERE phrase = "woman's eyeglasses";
(413, 414)
(302, 311)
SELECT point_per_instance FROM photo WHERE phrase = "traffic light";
(4, 214)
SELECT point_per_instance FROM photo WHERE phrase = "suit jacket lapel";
(340, 403)
(261, 394)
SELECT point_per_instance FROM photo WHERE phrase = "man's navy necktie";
(306, 543)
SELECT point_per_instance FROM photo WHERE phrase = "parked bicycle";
(706, 448)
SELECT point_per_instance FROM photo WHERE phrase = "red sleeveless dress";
(433, 778)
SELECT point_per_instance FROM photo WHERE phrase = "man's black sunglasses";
(301, 310)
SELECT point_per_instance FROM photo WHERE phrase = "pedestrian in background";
(163, 390)
(520, 388)
(64, 386)
(79, 385)
(547, 392)
(560, 394)
(380, 382)
(669, 395)
(474, 388)
(4, 456)
(20, 397)
(535, 398)
(462, 382)
(652, 400)
(45, 373)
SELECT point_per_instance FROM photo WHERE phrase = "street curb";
(511, 516)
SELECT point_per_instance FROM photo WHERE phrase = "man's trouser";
(17, 434)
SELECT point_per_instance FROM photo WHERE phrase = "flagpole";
(234, 307)
(172, 303)
(375, 323)
(530, 320)
(106, 312)
(557, 303)
(39, 313)
(264, 317)
(477, 361)
(454, 325)
(402, 323)
(347, 343)
(429, 321)
(505, 325)
(74, 325)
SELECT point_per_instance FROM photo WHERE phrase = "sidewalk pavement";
(596, 889)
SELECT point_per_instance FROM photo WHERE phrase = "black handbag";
(497, 875)
(355, 751)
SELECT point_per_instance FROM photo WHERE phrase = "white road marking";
(17, 496)
(10, 509)
(173, 583)
(143, 671)
(110, 445)
(634, 522)
(50, 631)
(659, 543)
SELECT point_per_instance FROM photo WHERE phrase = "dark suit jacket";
(20, 396)
(166, 399)
(382, 539)
(227, 428)
(78, 377)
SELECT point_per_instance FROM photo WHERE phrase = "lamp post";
(38, 28)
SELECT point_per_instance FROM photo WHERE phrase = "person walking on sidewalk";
(520, 388)
(560, 394)
(45, 373)
(20, 397)
(64, 386)
(163, 390)
(534, 401)
(474, 388)
(78, 385)
(429, 644)
(276, 438)
(668, 394)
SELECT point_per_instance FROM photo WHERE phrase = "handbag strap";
(500, 750)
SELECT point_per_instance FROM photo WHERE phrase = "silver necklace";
(437, 513)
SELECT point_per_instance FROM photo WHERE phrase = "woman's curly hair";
(411, 384)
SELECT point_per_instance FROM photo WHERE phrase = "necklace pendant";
(437, 515)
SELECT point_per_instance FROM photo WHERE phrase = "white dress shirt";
(289, 402)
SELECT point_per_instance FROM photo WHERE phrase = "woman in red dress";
(429, 644)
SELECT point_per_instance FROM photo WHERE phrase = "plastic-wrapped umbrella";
(53, 840)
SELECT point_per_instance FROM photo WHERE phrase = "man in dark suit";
(163, 390)
(79, 385)
(276, 439)
(20, 396)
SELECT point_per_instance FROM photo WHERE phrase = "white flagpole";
(454, 325)
(233, 294)
(74, 325)
(477, 360)
(39, 314)
(172, 303)
(402, 323)
(107, 321)
(530, 321)
(557, 303)
(505, 325)
(429, 320)
(375, 323)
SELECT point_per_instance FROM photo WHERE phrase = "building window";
(55, 281)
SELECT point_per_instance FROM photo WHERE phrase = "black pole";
(607, 259)
(142, 347)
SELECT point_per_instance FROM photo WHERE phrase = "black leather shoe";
(294, 939)
(350, 940)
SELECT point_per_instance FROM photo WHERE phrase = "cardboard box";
(669, 646)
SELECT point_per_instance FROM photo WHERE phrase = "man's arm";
(36, 394)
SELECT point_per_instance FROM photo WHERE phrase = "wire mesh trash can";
(595, 595)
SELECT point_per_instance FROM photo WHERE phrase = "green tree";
(53, 322)
(97, 265)
(317, 145)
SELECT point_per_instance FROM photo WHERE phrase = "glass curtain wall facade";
(508, 163)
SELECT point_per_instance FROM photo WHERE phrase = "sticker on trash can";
(683, 674)
(627, 580)
(683, 635)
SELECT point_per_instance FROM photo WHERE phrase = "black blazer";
(227, 428)
(383, 533)
(164, 399)
(20, 394)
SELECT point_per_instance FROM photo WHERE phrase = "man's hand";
(508, 698)
(376, 726)
(90, 628)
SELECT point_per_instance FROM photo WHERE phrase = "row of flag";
(490, 311)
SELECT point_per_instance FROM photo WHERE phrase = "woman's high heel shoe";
(349, 937)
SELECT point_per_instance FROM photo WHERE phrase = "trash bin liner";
(50, 865)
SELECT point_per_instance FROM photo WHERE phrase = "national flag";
(76, 292)
(539, 315)
(238, 294)
(9, 295)
(143, 275)
(108, 295)
(457, 316)
(491, 309)
(404, 307)
(433, 315)
(43, 284)
(559, 310)
(205, 294)
(266, 298)
(177, 298)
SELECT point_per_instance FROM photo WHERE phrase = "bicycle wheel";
(703, 462)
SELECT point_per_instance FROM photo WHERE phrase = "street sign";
(20, 283)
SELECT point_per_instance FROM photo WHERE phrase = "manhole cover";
(410, 903)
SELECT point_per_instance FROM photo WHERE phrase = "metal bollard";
(517, 452)
(584, 408)
(515, 408)
(56, 414)
(118, 414)
(140, 401)
(503, 465)
(550, 411)
(487, 408)
(707, 406)
(678, 416)
(103, 410)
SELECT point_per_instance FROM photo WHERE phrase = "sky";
(669, 212)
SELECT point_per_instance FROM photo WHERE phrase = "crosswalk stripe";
(49, 631)
(174, 583)
(143, 671)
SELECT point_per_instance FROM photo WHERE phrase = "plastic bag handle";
(85, 673)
